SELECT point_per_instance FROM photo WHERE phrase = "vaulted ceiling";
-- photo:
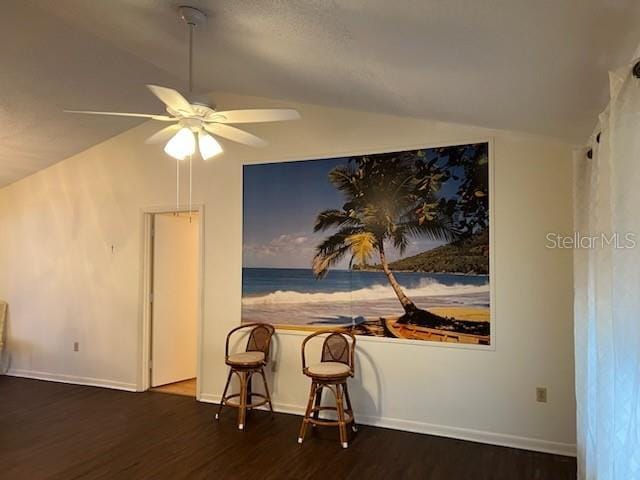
(533, 66)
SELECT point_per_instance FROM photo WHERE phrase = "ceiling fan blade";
(171, 98)
(257, 115)
(162, 118)
(235, 134)
(163, 135)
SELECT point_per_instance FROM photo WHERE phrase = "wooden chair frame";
(245, 374)
(336, 384)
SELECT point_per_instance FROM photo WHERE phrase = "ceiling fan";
(199, 117)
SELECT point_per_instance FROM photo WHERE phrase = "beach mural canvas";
(390, 244)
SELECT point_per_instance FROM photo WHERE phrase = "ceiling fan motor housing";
(193, 124)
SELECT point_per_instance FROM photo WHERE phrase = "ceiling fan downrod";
(193, 18)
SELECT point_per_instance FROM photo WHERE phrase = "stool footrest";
(348, 417)
(225, 401)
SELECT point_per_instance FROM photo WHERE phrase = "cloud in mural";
(286, 249)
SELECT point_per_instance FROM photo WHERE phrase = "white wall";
(64, 284)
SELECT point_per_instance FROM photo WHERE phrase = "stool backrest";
(338, 346)
(260, 339)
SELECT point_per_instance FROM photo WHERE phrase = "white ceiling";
(534, 66)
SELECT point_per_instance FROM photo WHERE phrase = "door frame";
(143, 382)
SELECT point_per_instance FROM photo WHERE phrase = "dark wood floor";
(54, 430)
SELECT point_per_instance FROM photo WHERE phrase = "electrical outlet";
(541, 394)
(76, 346)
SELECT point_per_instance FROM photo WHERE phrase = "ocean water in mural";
(346, 296)
(392, 245)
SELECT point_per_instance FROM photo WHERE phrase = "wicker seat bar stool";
(244, 365)
(335, 367)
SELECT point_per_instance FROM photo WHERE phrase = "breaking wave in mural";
(426, 288)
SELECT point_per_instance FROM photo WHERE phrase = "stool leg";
(354, 427)
(341, 423)
(224, 394)
(242, 410)
(317, 403)
(266, 390)
(305, 420)
(249, 391)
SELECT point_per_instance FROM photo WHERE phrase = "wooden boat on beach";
(414, 332)
(389, 327)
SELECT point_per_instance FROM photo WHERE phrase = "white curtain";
(607, 289)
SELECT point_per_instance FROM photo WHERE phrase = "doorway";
(172, 317)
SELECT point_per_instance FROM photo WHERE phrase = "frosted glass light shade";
(209, 146)
(181, 144)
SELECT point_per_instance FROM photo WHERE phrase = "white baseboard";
(491, 438)
(61, 378)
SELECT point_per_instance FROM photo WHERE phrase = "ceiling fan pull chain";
(190, 184)
(191, 29)
(177, 186)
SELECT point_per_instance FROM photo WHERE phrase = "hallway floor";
(186, 388)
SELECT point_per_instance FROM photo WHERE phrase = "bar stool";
(335, 367)
(244, 365)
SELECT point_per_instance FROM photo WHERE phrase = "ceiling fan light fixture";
(181, 144)
(209, 146)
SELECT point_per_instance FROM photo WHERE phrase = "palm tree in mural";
(390, 198)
